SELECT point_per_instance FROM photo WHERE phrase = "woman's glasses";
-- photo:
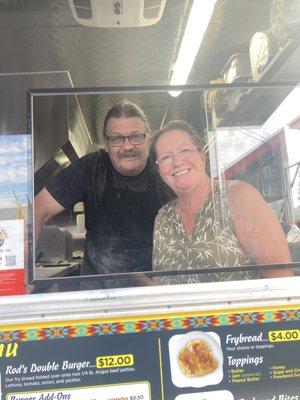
(168, 158)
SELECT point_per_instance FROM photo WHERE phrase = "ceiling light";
(196, 26)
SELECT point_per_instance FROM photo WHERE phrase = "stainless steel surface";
(43, 272)
(13, 87)
(60, 134)
(148, 300)
(42, 35)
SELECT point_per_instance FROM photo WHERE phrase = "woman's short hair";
(125, 109)
(176, 125)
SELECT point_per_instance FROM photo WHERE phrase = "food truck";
(230, 68)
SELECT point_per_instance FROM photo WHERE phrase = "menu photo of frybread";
(196, 359)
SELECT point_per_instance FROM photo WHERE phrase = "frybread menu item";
(197, 359)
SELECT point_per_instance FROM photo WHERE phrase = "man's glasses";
(117, 141)
(168, 158)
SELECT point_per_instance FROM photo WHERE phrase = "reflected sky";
(14, 170)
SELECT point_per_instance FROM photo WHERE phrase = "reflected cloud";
(14, 169)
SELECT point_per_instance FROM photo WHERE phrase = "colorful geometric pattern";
(203, 321)
(153, 325)
(12, 336)
(115, 328)
(168, 323)
(61, 332)
(246, 318)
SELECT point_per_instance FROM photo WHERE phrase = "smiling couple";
(122, 195)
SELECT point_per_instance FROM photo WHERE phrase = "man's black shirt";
(119, 212)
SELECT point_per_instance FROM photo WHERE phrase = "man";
(120, 195)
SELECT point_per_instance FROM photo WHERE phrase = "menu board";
(250, 354)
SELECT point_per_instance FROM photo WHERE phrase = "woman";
(209, 224)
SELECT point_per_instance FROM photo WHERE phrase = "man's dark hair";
(125, 109)
(176, 125)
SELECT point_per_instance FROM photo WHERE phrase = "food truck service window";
(135, 187)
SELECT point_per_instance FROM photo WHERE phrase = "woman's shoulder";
(240, 188)
(241, 193)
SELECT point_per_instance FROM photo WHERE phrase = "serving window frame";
(74, 280)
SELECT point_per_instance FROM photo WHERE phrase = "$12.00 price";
(119, 360)
(288, 335)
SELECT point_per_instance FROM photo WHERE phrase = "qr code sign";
(10, 261)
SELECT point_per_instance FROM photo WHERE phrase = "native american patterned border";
(148, 324)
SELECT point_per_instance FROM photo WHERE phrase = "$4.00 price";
(288, 335)
(120, 360)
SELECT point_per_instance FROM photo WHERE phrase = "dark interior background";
(41, 36)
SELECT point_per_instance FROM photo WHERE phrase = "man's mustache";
(128, 154)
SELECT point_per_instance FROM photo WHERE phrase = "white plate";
(215, 395)
(178, 342)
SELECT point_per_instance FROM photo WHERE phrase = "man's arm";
(45, 208)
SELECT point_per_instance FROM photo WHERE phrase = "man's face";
(128, 159)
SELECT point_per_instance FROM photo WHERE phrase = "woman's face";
(180, 164)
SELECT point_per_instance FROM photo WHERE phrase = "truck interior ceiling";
(65, 63)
